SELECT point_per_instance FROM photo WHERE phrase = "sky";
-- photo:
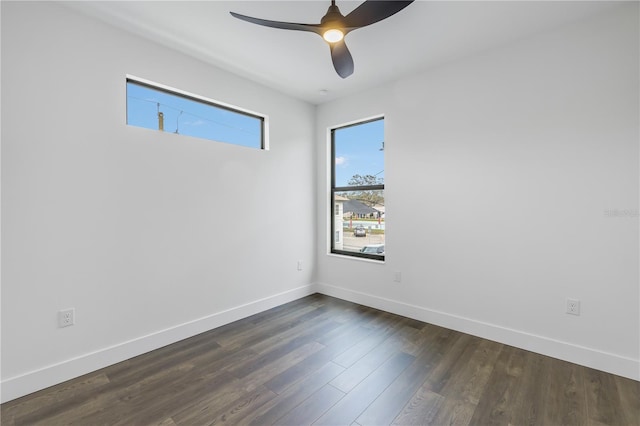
(358, 151)
(191, 118)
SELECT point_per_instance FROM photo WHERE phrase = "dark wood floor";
(328, 362)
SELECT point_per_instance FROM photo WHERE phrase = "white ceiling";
(425, 34)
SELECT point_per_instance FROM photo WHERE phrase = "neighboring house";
(380, 208)
(338, 228)
(358, 209)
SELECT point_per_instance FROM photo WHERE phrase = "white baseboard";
(588, 357)
(33, 381)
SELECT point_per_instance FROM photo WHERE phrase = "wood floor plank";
(351, 406)
(234, 412)
(153, 405)
(471, 376)
(629, 391)
(391, 402)
(89, 404)
(336, 341)
(271, 315)
(564, 402)
(603, 401)
(294, 395)
(359, 371)
(42, 403)
(167, 422)
(440, 375)
(211, 402)
(279, 348)
(124, 379)
(166, 391)
(262, 331)
(354, 313)
(269, 371)
(257, 362)
(237, 391)
(307, 366)
(360, 349)
(125, 374)
(143, 387)
(497, 404)
(420, 410)
(534, 386)
(312, 408)
(277, 366)
(318, 328)
(454, 411)
(413, 323)
(348, 335)
(410, 340)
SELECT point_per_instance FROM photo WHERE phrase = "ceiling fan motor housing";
(332, 16)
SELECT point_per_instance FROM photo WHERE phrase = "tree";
(370, 197)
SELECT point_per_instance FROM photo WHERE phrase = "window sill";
(360, 259)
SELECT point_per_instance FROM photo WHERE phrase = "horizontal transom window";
(159, 108)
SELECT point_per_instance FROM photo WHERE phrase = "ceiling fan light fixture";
(333, 35)
(334, 26)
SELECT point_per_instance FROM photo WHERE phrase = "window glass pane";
(362, 222)
(359, 154)
(159, 109)
(358, 189)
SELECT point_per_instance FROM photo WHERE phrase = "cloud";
(341, 161)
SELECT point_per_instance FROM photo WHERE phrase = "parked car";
(373, 249)
(359, 231)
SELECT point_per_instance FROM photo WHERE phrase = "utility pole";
(160, 119)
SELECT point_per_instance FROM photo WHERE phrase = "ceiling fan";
(334, 26)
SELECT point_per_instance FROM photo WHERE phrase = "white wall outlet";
(66, 317)
(397, 277)
(299, 265)
(573, 306)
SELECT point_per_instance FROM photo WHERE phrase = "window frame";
(264, 119)
(333, 189)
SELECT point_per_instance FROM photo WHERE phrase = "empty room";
(194, 212)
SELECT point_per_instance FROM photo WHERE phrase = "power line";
(192, 115)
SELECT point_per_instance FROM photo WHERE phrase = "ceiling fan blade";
(372, 11)
(277, 24)
(342, 60)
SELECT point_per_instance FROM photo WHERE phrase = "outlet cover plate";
(573, 306)
(66, 317)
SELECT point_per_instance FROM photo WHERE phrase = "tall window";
(357, 190)
(173, 111)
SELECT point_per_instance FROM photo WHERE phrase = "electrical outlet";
(573, 306)
(66, 317)
(299, 265)
(397, 277)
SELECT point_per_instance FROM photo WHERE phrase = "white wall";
(500, 171)
(151, 237)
